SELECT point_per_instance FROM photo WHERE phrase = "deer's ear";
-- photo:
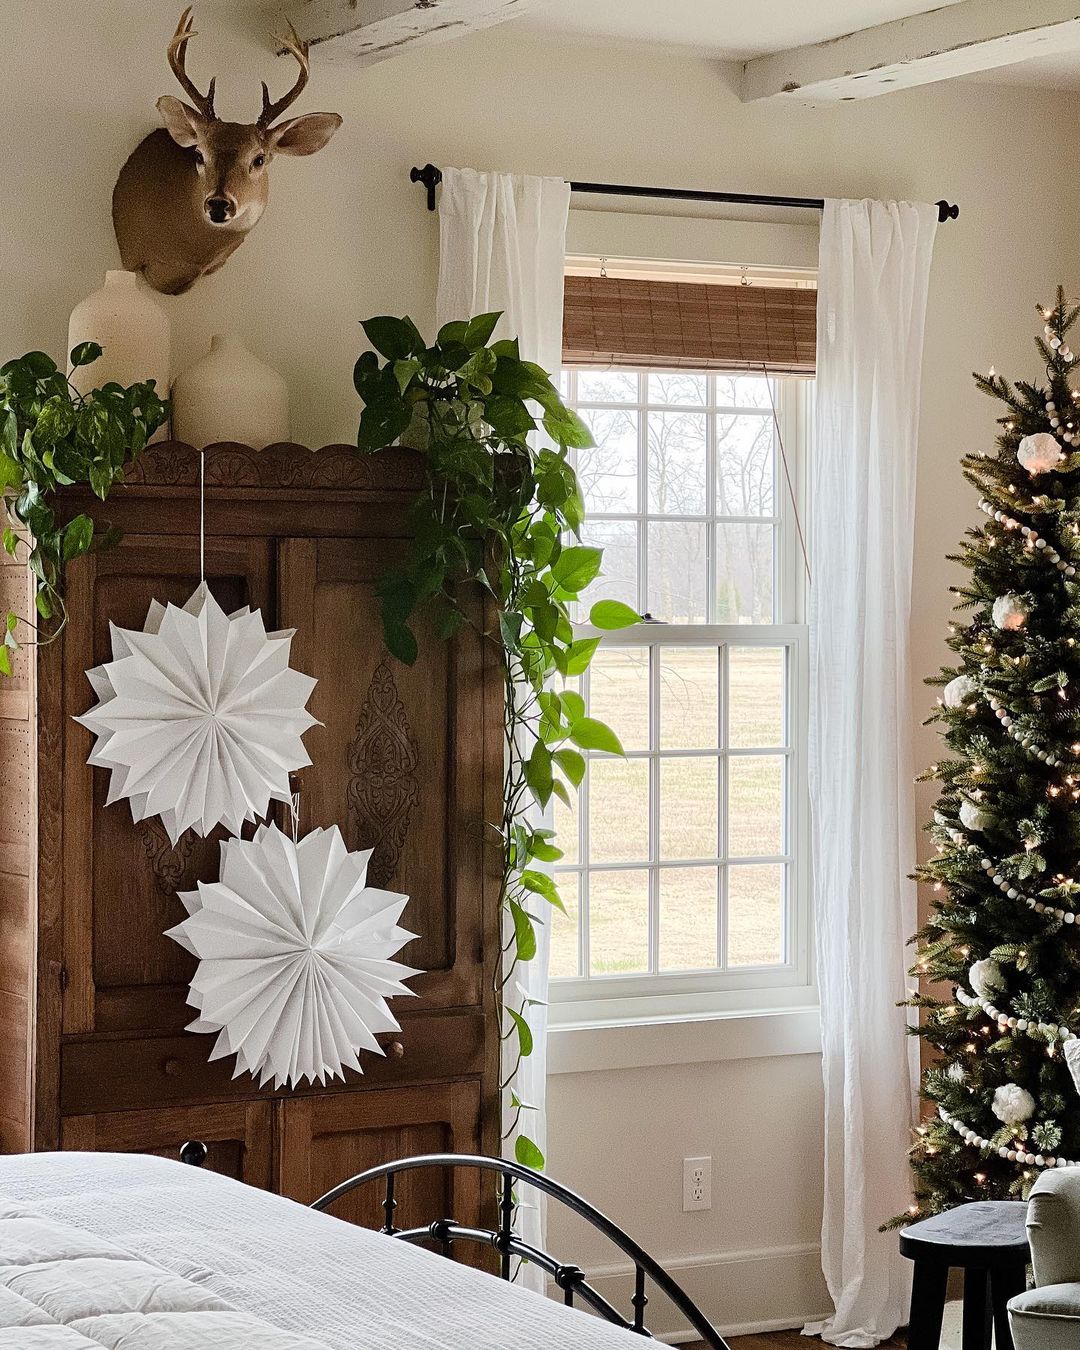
(303, 135)
(181, 122)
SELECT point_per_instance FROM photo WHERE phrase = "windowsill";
(691, 1038)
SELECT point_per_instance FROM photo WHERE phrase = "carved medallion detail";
(383, 787)
(169, 864)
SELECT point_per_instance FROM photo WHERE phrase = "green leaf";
(592, 734)
(528, 1154)
(400, 642)
(544, 851)
(404, 372)
(571, 763)
(524, 932)
(479, 330)
(538, 773)
(101, 478)
(43, 606)
(451, 334)
(78, 536)
(579, 654)
(12, 621)
(5, 661)
(381, 424)
(39, 365)
(573, 705)
(510, 630)
(524, 1032)
(11, 541)
(9, 435)
(11, 473)
(393, 338)
(610, 614)
(508, 416)
(566, 427)
(575, 567)
(84, 353)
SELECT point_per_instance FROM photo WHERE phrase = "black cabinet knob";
(193, 1152)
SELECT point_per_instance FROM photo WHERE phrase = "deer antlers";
(271, 111)
(204, 103)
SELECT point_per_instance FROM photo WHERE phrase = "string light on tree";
(1003, 873)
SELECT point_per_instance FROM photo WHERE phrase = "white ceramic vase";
(230, 395)
(132, 330)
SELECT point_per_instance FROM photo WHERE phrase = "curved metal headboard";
(569, 1278)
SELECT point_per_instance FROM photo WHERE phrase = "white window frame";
(600, 999)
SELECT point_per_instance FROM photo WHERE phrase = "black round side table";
(988, 1241)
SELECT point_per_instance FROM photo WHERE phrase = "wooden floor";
(784, 1340)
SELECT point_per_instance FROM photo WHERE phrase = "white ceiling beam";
(366, 31)
(960, 39)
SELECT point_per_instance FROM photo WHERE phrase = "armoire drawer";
(108, 1074)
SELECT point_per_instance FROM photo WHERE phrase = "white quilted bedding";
(129, 1252)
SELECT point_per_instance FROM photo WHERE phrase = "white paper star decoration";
(294, 956)
(199, 716)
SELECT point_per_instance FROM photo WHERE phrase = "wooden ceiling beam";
(366, 31)
(959, 39)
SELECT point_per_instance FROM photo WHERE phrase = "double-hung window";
(685, 864)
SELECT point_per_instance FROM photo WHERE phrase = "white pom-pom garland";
(959, 692)
(1017, 1155)
(1013, 1104)
(1039, 453)
(1009, 612)
(1003, 884)
(1033, 537)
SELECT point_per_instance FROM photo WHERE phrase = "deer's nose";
(220, 209)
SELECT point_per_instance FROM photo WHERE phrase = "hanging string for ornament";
(199, 714)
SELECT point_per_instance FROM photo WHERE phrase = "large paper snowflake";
(199, 716)
(294, 956)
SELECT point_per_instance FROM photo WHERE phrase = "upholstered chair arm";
(1053, 1225)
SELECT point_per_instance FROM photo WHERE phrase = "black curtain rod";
(431, 177)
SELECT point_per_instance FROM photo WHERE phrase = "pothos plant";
(500, 510)
(52, 436)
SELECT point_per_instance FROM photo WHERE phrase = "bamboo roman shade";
(617, 321)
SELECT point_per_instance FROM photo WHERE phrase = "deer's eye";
(200, 159)
(258, 161)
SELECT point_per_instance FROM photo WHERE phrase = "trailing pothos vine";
(498, 512)
(52, 436)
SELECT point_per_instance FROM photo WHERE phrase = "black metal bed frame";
(509, 1244)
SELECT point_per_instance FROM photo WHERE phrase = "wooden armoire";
(407, 761)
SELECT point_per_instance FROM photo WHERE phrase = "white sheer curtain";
(502, 245)
(872, 285)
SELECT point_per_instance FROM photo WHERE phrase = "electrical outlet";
(696, 1184)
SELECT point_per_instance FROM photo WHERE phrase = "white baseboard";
(741, 1292)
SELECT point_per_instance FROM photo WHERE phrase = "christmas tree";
(1005, 924)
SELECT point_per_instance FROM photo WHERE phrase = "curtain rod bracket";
(431, 177)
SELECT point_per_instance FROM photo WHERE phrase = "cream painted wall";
(346, 236)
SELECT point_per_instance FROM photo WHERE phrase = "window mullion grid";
(643, 494)
(710, 500)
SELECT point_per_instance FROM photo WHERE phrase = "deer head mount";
(191, 191)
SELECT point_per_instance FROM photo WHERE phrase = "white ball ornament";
(973, 817)
(1039, 453)
(959, 692)
(1013, 1104)
(956, 1072)
(986, 978)
(1009, 612)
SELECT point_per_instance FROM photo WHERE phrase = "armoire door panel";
(398, 761)
(121, 878)
(324, 1140)
(237, 1136)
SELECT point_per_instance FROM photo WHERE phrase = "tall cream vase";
(132, 331)
(230, 395)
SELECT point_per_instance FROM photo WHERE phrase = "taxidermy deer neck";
(190, 193)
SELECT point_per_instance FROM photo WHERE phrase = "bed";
(129, 1252)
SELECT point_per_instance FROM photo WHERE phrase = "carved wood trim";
(283, 465)
(383, 787)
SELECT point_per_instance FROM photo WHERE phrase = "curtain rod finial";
(945, 211)
(431, 177)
